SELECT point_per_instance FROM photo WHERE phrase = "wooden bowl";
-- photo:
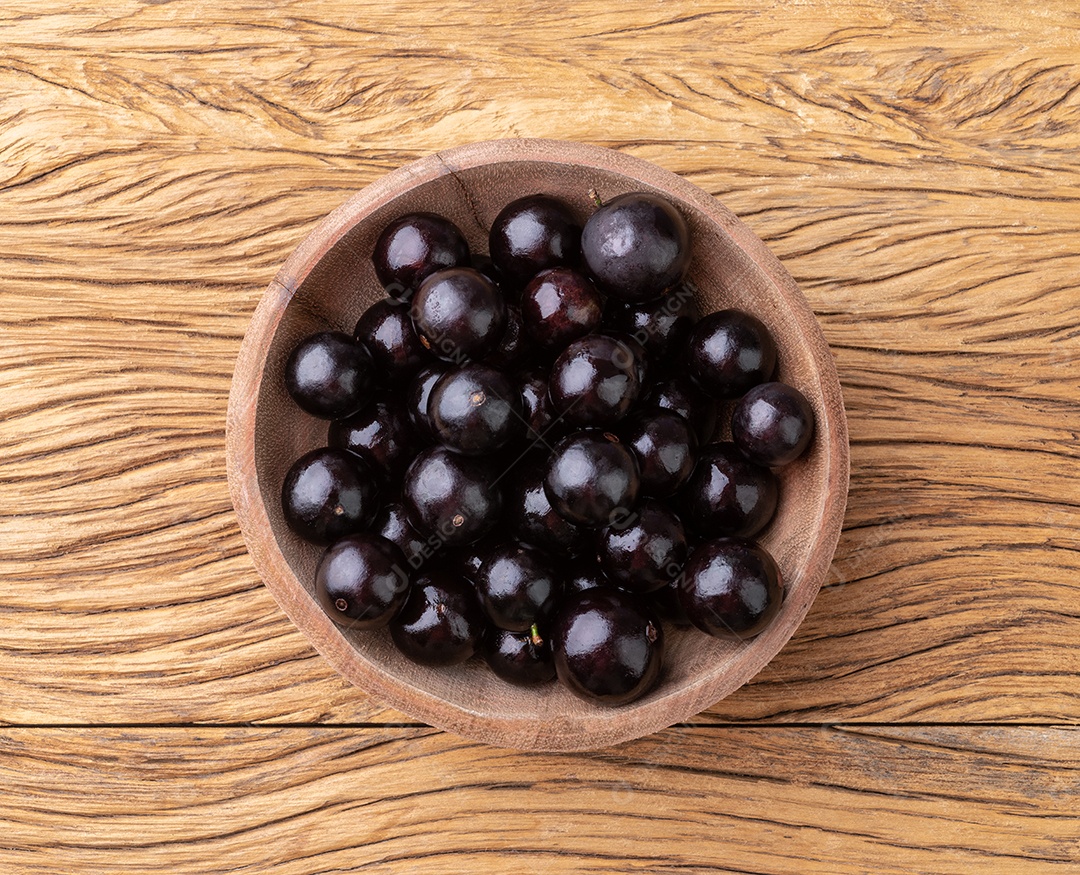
(328, 282)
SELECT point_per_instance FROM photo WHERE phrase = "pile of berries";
(522, 460)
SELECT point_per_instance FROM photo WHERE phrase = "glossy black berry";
(459, 313)
(584, 573)
(362, 580)
(636, 246)
(662, 326)
(515, 349)
(532, 519)
(536, 404)
(608, 646)
(773, 424)
(727, 494)
(329, 493)
(484, 264)
(386, 330)
(643, 363)
(518, 586)
(646, 551)
(560, 305)
(450, 496)
(519, 657)
(680, 395)
(476, 409)
(417, 396)
(729, 352)
(591, 479)
(666, 449)
(381, 434)
(413, 247)
(594, 381)
(393, 524)
(467, 560)
(441, 622)
(665, 602)
(531, 234)
(731, 588)
(329, 375)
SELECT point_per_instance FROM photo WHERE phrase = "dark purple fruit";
(731, 588)
(459, 313)
(531, 234)
(467, 560)
(679, 395)
(475, 410)
(440, 623)
(449, 496)
(584, 573)
(380, 434)
(560, 305)
(727, 494)
(393, 524)
(637, 246)
(414, 247)
(773, 424)
(665, 602)
(329, 493)
(515, 348)
(417, 396)
(591, 479)
(641, 358)
(519, 658)
(666, 449)
(518, 586)
(608, 646)
(533, 520)
(729, 352)
(646, 551)
(595, 381)
(486, 266)
(536, 404)
(361, 581)
(386, 330)
(329, 375)
(662, 326)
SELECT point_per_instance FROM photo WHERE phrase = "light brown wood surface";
(916, 167)
(815, 800)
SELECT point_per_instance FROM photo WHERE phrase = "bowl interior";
(330, 281)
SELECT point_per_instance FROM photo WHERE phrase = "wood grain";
(916, 172)
(299, 801)
(916, 167)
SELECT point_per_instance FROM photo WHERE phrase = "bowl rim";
(612, 725)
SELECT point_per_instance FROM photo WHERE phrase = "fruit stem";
(595, 198)
(534, 636)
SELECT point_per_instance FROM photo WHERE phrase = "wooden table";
(916, 166)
